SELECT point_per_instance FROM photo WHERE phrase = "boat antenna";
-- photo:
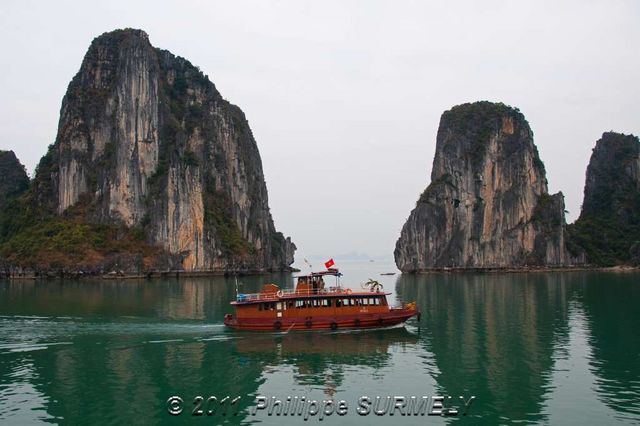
(307, 262)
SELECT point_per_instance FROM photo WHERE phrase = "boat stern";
(414, 308)
(408, 310)
(229, 321)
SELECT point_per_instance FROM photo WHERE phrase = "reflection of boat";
(313, 306)
(340, 343)
(388, 273)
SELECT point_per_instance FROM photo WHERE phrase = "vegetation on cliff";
(479, 121)
(13, 178)
(49, 243)
(609, 224)
(13, 183)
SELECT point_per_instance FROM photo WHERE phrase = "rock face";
(146, 140)
(613, 178)
(487, 205)
(13, 178)
(609, 223)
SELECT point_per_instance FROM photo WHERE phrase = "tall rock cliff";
(487, 205)
(609, 223)
(146, 141)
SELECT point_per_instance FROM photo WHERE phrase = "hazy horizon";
(344, 98)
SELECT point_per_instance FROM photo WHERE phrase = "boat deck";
(245, 298)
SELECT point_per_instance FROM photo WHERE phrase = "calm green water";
(556, 348)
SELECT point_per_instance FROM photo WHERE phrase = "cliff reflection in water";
(500, 337)
(205, 298)
(492, 335)
(614, 323)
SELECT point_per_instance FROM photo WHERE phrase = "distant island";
(488, 207)
(151, 171)
(352, 256)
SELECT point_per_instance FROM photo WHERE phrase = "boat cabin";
(314, 282)
(311, 297)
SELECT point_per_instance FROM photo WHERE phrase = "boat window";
(377, 300)
(279, 306)
(299, 303)
(345, 302)
(338, 303)
(365, 302)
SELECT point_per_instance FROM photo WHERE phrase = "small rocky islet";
(488, 206)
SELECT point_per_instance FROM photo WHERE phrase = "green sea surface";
(537, 348)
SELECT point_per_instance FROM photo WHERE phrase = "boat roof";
(331, 271)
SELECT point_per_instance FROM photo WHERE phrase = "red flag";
(329, 263)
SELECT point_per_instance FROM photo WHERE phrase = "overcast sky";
(344, 97)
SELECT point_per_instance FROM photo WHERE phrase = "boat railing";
(248, 297)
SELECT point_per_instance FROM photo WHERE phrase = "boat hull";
(364, 320)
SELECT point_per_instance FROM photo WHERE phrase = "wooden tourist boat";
(313, 306)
